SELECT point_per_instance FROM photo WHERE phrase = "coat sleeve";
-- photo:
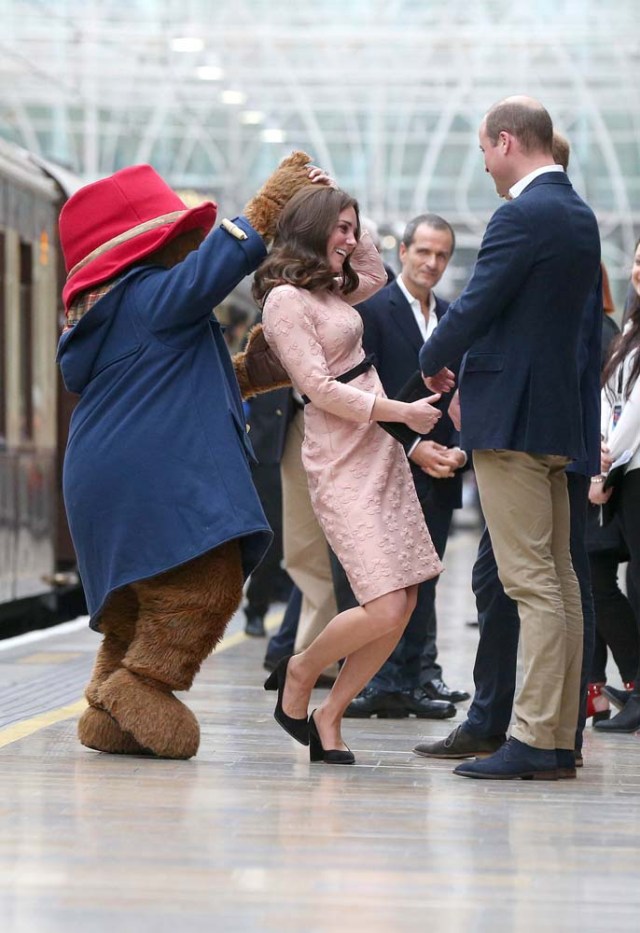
(177, 298)
(504, 261)
(290, 330)
(626, 434)
(589, 356)
(366, 261)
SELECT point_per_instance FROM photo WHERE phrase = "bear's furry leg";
(96, 728)
(183, 614)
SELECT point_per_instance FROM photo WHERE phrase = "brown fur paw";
(244, 383)
(155, 718)
(263, 210)
(98, 730)
(258, 368)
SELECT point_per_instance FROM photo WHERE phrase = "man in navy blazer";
(518, 323)
(397, 320)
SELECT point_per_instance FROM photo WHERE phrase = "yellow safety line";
(20, 730)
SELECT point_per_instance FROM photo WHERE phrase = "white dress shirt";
(519, 186)
(426, 327)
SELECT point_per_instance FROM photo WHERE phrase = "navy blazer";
(391, 332)
(269, 417)
(519, 321)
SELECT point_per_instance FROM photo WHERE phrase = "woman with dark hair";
(359, 479)
(621, 441)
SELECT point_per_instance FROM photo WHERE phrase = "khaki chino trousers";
(526, 507)
(306, 552)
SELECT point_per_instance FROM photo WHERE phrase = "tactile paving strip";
(54, 686)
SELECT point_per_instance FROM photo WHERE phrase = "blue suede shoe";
(566, 763)
(513, 760)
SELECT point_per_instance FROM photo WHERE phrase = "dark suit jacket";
(268, 419)
(392, 334)
(519, 322)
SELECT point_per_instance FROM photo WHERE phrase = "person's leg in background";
(282, 643)
(262, 588)
(419, 643)
(306, 553)
(578, 490)
(628, 719)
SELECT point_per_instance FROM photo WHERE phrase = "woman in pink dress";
(359, 479)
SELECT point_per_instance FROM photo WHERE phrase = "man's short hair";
(561, 150)
(429, 220)
(529, 123)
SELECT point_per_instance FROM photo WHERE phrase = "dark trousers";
(281, 644)
(494, 672)
(616, 627)
(629, 511)
(414, 660)
(267, 581)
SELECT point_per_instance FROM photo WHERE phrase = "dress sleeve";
(366, 261)
(290, 330)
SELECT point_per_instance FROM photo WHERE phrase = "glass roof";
(386, 95)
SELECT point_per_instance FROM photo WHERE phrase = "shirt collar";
(413, 301)
(519, 186)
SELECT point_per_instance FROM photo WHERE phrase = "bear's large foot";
(98, 730)
(149, 712)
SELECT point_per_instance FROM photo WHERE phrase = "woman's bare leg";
(383, 619)
(357, 670)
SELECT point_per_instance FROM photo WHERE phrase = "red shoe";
(597, 704)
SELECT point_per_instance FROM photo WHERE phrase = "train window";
(3, 350)
(26, 342)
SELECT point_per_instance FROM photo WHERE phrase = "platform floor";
(250, 837)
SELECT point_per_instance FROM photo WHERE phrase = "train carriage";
(36, 556)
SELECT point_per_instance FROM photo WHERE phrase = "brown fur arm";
(257, 368)
(264, 209)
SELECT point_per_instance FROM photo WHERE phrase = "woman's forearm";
(387, 409)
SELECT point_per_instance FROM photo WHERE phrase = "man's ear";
(506, 142)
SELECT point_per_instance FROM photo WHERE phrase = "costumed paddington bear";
(163, 514)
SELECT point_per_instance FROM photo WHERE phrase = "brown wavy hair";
(299, 253)
(622, 345)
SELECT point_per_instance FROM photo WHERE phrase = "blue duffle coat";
(156, 469)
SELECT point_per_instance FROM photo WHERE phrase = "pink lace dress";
(359, 479)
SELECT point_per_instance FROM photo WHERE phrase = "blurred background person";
(267, 418)
(621, 441)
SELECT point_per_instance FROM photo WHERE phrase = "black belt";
(351, 374)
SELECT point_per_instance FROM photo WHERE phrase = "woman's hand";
(605, 458)
(319, 176)
(421, 416)
(598, 495)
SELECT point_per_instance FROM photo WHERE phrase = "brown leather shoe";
(461, 743)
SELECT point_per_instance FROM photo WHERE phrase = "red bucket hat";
(119, 220)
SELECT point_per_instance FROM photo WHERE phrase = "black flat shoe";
(298, 729)
(627, 720)
(332, 756)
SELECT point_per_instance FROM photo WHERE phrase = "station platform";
(249, 836)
